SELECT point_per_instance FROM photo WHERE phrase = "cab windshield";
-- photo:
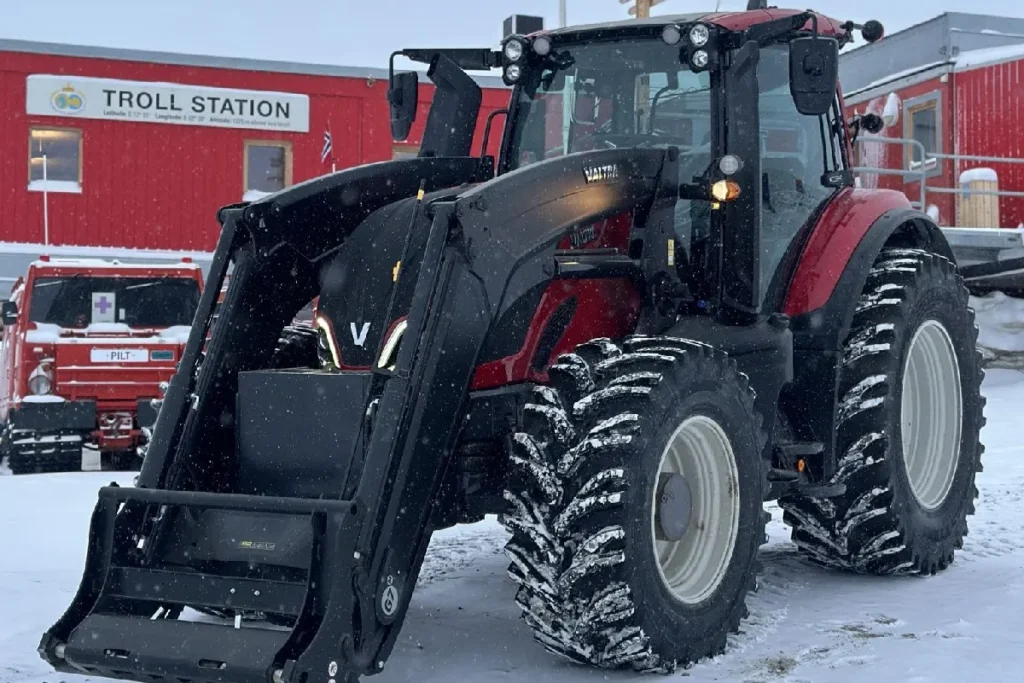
(78, 301)
(606, 95)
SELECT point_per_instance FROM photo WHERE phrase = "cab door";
(798, 153)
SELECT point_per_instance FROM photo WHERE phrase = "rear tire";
(907, 426)
(594, 583)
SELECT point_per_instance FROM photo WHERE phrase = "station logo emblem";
(67, 100)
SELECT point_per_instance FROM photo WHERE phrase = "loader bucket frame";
(484, 244)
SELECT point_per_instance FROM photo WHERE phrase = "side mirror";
(403, 95)
(9, 313)
(813, 74)
(872, 123)
(873, 31)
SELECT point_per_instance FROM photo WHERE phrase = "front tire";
(907, 426)
(592, 508)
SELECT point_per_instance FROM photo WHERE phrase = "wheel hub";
(674, 507)
(931, 414)
(695, 509)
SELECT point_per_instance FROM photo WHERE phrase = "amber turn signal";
(725, 190)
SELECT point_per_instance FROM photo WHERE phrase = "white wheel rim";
(693, 567)
(931, 414)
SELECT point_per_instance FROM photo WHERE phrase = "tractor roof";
(734, 21)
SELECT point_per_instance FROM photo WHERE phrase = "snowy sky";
(364, 32)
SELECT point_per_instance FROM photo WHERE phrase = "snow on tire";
(600, 579)
(907, 426)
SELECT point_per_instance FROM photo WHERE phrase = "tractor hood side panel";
(357, 283)
(276, 244)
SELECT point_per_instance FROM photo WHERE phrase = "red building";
(948, 90)
(142, 148)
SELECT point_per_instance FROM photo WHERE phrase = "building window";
(268, 166)
(923, 124)
(56, 154)
(404, 151)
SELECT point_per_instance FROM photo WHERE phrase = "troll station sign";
(173, 103)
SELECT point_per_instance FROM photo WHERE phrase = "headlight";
(725, 191)
(513, 72)
(729, 164)
(388, 353)
(40, 382)
(327, 347)
(699, 59)
(699, 35)
(513, 50)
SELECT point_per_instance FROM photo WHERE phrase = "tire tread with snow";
(31, 453)
(580, 502)
(878, 526)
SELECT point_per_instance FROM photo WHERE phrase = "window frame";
(928, 101)
(288, 160)
(64, 186)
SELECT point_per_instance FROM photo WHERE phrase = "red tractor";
(86, 344)
(663, 304)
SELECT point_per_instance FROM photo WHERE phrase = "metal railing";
(925, 169)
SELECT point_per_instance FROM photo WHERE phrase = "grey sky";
(363, 33)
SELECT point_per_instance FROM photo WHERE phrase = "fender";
(830, 276)
(838, 255)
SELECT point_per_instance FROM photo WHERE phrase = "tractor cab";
(741, 138)
(751, 107)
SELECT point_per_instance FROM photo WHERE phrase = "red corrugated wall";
(990, 123)
(158, 186)
(891, 155)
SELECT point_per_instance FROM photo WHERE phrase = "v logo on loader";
(359, 338)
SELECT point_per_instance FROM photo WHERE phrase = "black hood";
(356, 285)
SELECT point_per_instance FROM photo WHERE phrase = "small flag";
(327, 147)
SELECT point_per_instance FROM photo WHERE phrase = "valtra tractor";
(662, 304)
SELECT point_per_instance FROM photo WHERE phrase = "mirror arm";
(854, 125)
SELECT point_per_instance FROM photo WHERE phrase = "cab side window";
(793, 162)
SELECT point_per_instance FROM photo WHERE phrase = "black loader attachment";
(305, 495)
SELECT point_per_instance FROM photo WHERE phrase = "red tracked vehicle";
(86, 344)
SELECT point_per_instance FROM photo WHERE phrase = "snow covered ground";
(1001, 329)
(806, 624)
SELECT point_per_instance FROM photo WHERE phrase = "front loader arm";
(291, 229)
(496, 237)
(287, 233)
(367, 546)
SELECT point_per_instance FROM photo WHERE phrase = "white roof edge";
(214, 62)
(925, 72)
(988, 56)
(112, 263)
(76, 251)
